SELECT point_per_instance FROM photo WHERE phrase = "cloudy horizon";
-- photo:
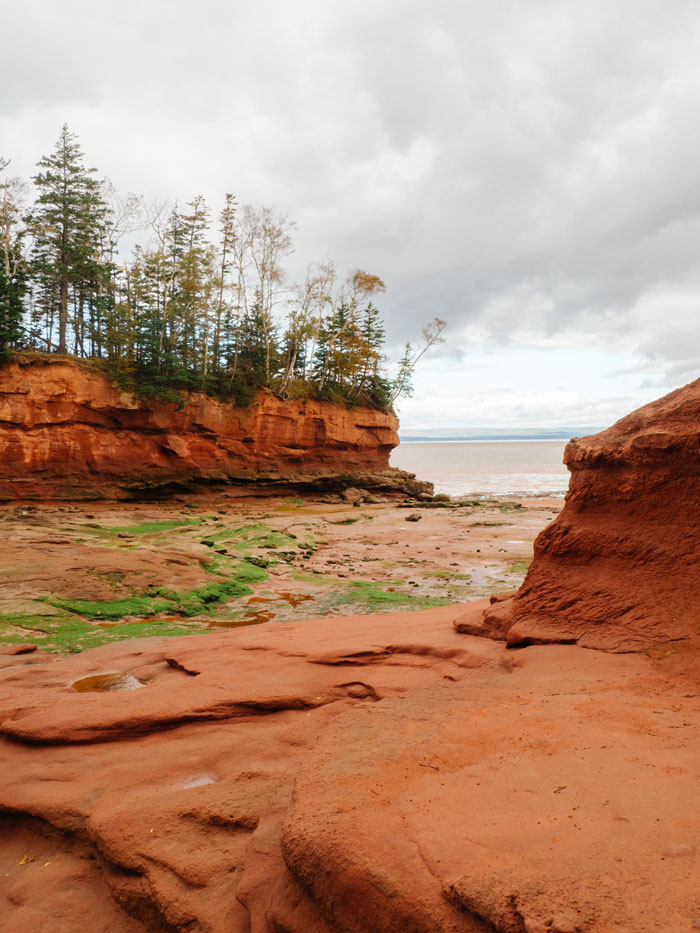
(527, 171)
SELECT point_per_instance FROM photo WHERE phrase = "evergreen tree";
(187, 311)
(223, 318)
(13, 272)
(67, 222)
(12, 290)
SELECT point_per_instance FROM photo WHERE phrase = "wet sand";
(76, 576)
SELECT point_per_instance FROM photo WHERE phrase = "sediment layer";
(66, 431)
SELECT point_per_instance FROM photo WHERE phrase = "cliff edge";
(68, 432)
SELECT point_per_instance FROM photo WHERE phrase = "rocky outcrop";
(376, 774)
(67, 432)
(388, 774)
(618, 568)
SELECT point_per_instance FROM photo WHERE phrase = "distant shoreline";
(482, 440)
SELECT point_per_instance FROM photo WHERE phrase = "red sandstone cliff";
(617, 569)
(68, 432)
(384, 774)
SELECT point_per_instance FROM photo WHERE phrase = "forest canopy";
(204, 306)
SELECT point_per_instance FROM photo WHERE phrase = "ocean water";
(487, 468)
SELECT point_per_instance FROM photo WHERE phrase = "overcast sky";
(527, 170)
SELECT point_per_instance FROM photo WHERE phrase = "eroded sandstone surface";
(393, 773)
(68, 432)
(376, 773)
(617, 569)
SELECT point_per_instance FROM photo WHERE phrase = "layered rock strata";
(388, 774)
(68, 432)
(617, 569)
(376, 774)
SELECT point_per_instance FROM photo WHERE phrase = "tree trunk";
(63, 315)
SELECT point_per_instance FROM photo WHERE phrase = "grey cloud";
(523, 166)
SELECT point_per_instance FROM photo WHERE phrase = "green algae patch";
(64, 633)
(320, 579)
(113, 609)
(164, 601)
(520, 566)
(142, 528)
(449, 575)
(373, 598)
(510, 507)
(43, 628)
(246, 538)
(152, 528)
(249, 572)
(202, 599)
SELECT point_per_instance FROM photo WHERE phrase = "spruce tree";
(13, 272)
(67, 222)
(12, 290)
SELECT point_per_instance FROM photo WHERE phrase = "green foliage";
(194, 309)
(68, 223)
(13, 268)
(12, 290)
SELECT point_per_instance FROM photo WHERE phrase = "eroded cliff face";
(618, 568)
(68, 432)
(384, 774)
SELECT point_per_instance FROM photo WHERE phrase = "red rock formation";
(385, 774)
(376, 774)
(618, 568)
(68, 432)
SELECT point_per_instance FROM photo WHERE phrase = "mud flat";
(77, 577)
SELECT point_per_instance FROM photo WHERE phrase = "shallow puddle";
(259, 616)
(197, 780)
(292, 599)
(107, 683)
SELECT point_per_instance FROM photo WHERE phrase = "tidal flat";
(76, 576)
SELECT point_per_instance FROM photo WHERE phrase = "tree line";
(204, 306)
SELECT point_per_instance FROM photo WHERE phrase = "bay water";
(484, 469)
